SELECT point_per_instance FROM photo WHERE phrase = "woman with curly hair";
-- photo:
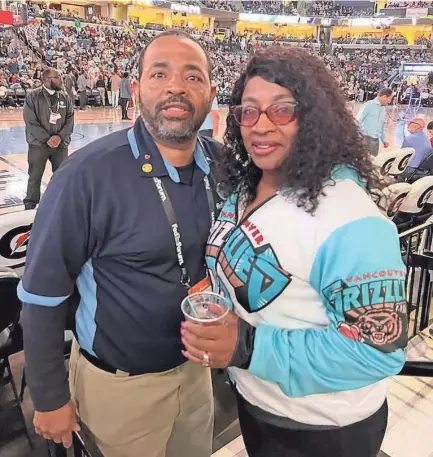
(312, 268)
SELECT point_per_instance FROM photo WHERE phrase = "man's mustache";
(176, 99)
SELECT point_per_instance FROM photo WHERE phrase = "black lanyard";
(185, 279)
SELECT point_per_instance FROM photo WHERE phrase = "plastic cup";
(197, 308)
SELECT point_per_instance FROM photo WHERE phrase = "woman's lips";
(264, 148)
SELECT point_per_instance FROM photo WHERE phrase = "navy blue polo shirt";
(102, 227)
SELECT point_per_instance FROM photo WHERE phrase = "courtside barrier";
(417, 251)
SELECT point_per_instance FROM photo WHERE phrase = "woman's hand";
(218, 341)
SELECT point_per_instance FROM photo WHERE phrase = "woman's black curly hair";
(328, 135)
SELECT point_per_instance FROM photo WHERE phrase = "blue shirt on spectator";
(420, 142)
(372, 120)
(101, 241)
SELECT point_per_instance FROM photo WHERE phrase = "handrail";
(416, 229)
(416, 245)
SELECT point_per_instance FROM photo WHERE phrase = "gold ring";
(205, 359)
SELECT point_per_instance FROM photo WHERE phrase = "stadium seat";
(392, 163)
(12, 422)
(399, 165)
(14, 235)
(393, 197)
(415, 208)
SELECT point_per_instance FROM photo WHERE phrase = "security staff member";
(126, 220)
(49, 119)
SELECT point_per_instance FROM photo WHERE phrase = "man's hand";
(219, 341)
(385, 144)
(54, 142)
(57, 425)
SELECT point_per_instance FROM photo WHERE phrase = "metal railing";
(416, 247)
(22, 36)
(416, 251)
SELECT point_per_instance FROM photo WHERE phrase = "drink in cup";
(205, 308)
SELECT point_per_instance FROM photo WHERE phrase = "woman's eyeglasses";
(278, 114)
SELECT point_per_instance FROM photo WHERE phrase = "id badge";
(202, 286)
(54, 117)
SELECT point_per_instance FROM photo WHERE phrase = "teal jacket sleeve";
(360, 277)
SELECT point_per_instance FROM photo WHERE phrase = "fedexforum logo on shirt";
(160, 189)
(178, 243)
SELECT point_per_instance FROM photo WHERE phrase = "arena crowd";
(96, 57)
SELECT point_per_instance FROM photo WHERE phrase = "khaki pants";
(101, 91)
(166, 414)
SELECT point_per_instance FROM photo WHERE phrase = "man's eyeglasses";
(278, 114)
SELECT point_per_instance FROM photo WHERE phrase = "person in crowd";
(70, 84)
(107, 81)
(13, 66)
(418, 140)
(125, 95)
(100, 85)
(371, 119)
(311, 267)
(115, 89)
(38, 72)
(94, 48)
(134, 90)
(49, 120)
(211, 123)
(82, 89)
(22, 67)
(130, 384)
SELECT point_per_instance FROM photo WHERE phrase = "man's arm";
(58, 248)
(31, 120)
(406, 142)
(382, 128)
(363, 114)
(60, 243)
(68, 127)
(360, 276)
(129, 89)
(45, 364)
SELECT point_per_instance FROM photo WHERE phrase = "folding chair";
(414, 209)
(12, 343)
(425, 168)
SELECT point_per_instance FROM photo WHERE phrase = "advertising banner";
(416, 12)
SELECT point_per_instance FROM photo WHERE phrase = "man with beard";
(126, 221)
(49, 119)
